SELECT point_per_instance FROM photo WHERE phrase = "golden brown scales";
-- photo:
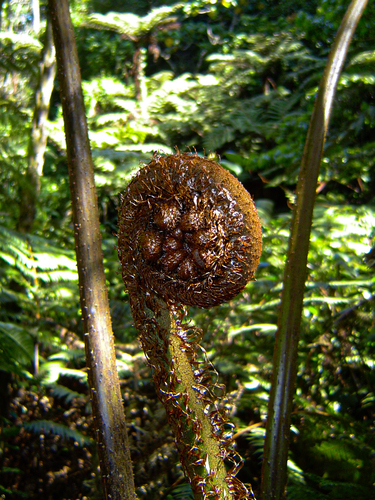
(188, 231)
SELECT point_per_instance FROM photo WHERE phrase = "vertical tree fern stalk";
(189, 235)
(106, 398)
(274, 473)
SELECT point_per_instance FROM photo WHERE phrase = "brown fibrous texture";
(188, 231)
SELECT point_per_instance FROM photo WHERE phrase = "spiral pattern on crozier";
(188, 231)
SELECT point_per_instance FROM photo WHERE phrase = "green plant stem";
(274, 473)
(170, 351)
(105, 392)
(210, 446)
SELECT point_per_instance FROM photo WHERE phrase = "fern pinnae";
(65, 432)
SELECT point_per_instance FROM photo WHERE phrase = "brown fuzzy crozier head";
(188, 231)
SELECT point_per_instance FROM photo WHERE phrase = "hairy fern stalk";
(189, 234)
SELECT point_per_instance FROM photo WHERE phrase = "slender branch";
(285, 355)
(106, 399)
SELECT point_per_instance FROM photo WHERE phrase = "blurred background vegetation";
(235, 80)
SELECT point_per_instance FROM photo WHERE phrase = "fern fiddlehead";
(189, 235)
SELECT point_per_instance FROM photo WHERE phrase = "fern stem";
(108, 412)
(184, 390)
(275, 458)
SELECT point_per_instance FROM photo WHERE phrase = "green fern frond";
(256, 437)
(217, 137)
(112, 117)
(62, 392)
(366, 57)
(34, 256)
(181, 492)
(20, 41)
(68, 355)
(317, 487)
(14, 249)
(51, 371)
(70, 372)
(6, 491)
(125, 24)
(337, 450)
(57, 276)
(338, 490)
(131, 25)
(16, 345)
(302, 492)
(53, 260)
(65, 432)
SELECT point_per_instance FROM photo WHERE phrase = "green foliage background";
(235, 80)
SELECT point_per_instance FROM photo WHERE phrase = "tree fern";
(131, 25)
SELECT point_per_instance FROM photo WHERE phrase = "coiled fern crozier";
(189, 235)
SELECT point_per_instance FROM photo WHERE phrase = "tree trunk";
(30, 185)
(109, 418)
(36, 16)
